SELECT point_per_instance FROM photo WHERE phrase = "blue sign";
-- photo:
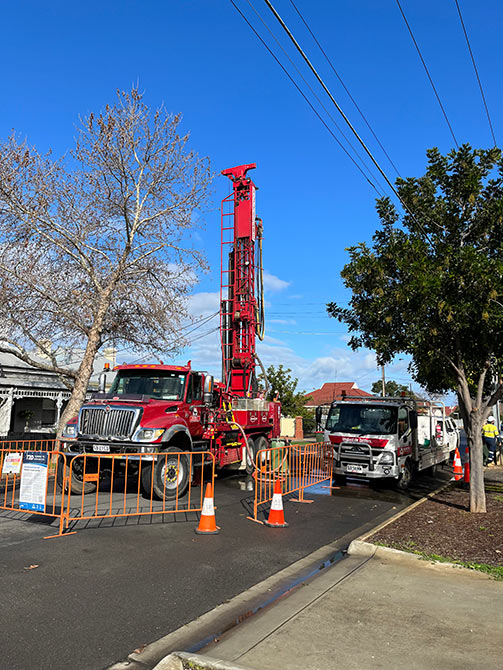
(32, 493)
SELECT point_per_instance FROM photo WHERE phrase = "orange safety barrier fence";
(122, 485)
(29, 445)
(296, 466)
(45, 497)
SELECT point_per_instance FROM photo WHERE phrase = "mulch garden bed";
(444, 527)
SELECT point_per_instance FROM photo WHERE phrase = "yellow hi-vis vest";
(489, 430)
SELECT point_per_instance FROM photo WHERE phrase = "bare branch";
(23, 355)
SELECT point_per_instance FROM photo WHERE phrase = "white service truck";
(386, 438)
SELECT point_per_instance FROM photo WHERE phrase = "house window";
(48, 412)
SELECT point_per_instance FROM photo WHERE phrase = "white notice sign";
(12, 463)
(33, 481)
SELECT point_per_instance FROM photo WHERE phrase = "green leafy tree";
(391, 387)
(283, 386)
(431, 286)
(393, 390)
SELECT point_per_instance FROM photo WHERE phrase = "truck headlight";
(148, 434)
(70, 430)
(386, 458)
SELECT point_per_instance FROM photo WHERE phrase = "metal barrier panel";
(11, 476)
(30, 445)
(122, 485)
(276, 463)
(297, 467)
(317, 465)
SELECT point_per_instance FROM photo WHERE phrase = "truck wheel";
(405, 477)
(78, 485)
(433, 470)
(171, 475)
(339, 480)
(251, 452)
(261, 444)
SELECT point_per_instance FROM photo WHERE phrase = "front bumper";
(360, 459)
(134, 451)
(379, 471)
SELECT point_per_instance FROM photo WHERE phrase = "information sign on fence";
(12, 463)
(32, 493)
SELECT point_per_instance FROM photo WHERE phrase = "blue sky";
(199, 57)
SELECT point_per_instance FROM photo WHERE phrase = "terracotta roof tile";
(331, 391)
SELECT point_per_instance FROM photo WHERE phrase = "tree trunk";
(86, 366)
(474, 437)
(81, 383)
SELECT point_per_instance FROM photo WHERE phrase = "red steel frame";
(238, 303)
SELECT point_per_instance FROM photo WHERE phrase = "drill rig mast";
(241, 289)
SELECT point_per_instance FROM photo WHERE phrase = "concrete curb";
(175, 661)
(360, 548)
(401, 513)
(222, 618)
(227, 615)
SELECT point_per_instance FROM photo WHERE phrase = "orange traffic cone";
(207, 523)
(276, 515)
(466, 477)
(458, 468)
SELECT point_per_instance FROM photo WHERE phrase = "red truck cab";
(152, 409)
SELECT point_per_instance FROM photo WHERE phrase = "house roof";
(15, 372)
(331, 391)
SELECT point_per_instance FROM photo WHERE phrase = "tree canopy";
(282, 385)
(95, 248)
(391, 387)
(431, 285)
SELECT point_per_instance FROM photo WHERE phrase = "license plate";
(354, 468)
(104, 448)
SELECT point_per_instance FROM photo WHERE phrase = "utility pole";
(383, 382)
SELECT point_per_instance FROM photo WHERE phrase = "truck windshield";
(163, 385)
(361, 419)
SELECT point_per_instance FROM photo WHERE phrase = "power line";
(348, 122)
(188, 343)
(476, 71)
(309, 87)
(198, 324)
(304, 95)
(427, 72)
(345, 87)
(307, 332)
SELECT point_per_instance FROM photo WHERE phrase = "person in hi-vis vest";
(489, 435)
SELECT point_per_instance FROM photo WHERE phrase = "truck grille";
(116, 423)
(360, 453)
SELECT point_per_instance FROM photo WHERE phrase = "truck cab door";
(196, 407)
(404, 429)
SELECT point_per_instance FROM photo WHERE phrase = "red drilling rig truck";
(158, 409)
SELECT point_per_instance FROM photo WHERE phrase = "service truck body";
(386, 438)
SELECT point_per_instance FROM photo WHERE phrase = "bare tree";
(97, 247)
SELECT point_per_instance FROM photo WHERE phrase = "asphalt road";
(95, 596)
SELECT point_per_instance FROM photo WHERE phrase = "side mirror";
(102, 383)
(208, 389)
(319, 416)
